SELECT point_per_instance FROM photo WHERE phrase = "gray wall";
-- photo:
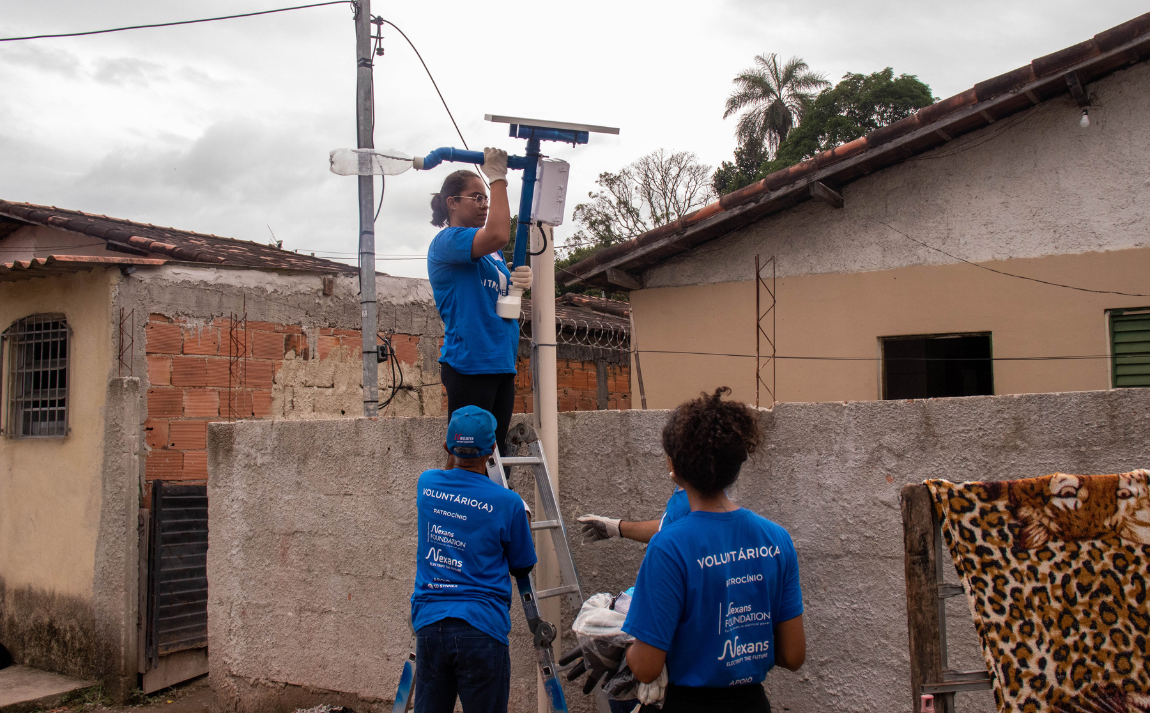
(1033, 184)
(312, 533)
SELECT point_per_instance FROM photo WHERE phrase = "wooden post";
(927, 658)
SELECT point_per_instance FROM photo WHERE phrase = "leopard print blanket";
(1056, 572)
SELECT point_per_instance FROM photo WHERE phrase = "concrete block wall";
(312, 544)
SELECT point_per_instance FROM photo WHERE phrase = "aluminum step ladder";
(520, 437)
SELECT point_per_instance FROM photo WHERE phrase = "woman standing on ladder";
(468, 275)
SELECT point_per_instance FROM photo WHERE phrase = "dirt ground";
(189, 697)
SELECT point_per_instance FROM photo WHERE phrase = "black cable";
(820, 358)
(436, 85)
(382, 188)
(1011, 274)
(173, 24)
(389, 22)
(544, 248)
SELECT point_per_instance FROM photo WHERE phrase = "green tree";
(659, 188)
(857, 105)
(772, 98)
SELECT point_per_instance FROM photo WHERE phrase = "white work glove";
(521, 277)
(599, 528)
(654, 691)
(494, 165)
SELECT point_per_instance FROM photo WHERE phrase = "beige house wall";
(50, 488)
(1034, 194)
(845, 315)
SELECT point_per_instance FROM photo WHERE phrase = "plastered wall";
(840, 318)
(312, 544)
(1034, 195)
(50, 487)
(68, 539)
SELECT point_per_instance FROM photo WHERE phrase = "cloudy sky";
(225, 127)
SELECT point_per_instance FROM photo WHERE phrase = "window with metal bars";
(35, 350)
(1130, 347)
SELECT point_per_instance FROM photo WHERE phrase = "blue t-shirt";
(476, 340)
(711, 589)
(677, 507)
(471, 533)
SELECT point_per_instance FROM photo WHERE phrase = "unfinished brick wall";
(578, 386)
(287, 372)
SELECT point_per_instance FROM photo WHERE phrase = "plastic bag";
(599, 631)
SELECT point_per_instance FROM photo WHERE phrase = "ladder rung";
(544, 525)
(557, 591)
(517, 460)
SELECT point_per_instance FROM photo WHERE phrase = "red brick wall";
(188, 375)
(577, 385)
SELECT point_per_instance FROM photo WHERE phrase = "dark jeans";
(688, 699)
(491, 392)
(454, 658)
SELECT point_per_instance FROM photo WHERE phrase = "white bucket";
(509, 306)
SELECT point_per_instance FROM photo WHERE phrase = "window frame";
(1113, 360)
(939, 335)
(9, 427)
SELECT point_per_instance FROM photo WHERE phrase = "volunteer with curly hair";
(468, 275)
(717, 601)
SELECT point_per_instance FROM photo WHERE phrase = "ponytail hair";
(452, 185)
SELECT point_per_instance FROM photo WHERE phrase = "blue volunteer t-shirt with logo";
(476, 340)
(710, 591)
(677, 507)
(471, 533)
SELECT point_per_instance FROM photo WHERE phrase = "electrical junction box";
(550, 191)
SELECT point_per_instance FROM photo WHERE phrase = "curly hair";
(708, 440)
(452, 185)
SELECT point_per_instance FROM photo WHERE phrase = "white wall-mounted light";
(1085, 120)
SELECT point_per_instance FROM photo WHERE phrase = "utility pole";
(364, 117)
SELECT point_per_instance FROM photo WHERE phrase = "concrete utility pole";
(364, 113)
(546, 412)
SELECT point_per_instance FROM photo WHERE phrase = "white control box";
(550, 191)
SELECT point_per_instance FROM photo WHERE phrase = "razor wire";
(602, 336)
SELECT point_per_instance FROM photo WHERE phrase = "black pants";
(492, 392)
(688, 699)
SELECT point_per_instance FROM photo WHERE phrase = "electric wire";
(172, 24)
(1072, 357)
(429, 76)
(1011, 274)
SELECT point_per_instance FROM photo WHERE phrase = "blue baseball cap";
(471, 431)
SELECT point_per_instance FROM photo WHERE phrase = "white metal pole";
(363, 121)
(545, 399)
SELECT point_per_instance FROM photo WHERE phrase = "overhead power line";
(173, 24)
(882, 359)
(1011, 274)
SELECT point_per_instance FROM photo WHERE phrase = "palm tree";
(776, 97)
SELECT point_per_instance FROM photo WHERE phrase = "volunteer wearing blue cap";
(468, 275)
(472, 532)
(717, 601)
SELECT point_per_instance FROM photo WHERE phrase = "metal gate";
(177, 570)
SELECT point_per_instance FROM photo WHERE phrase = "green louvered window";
(1130, 347)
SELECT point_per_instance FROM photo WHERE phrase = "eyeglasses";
(479, 198)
